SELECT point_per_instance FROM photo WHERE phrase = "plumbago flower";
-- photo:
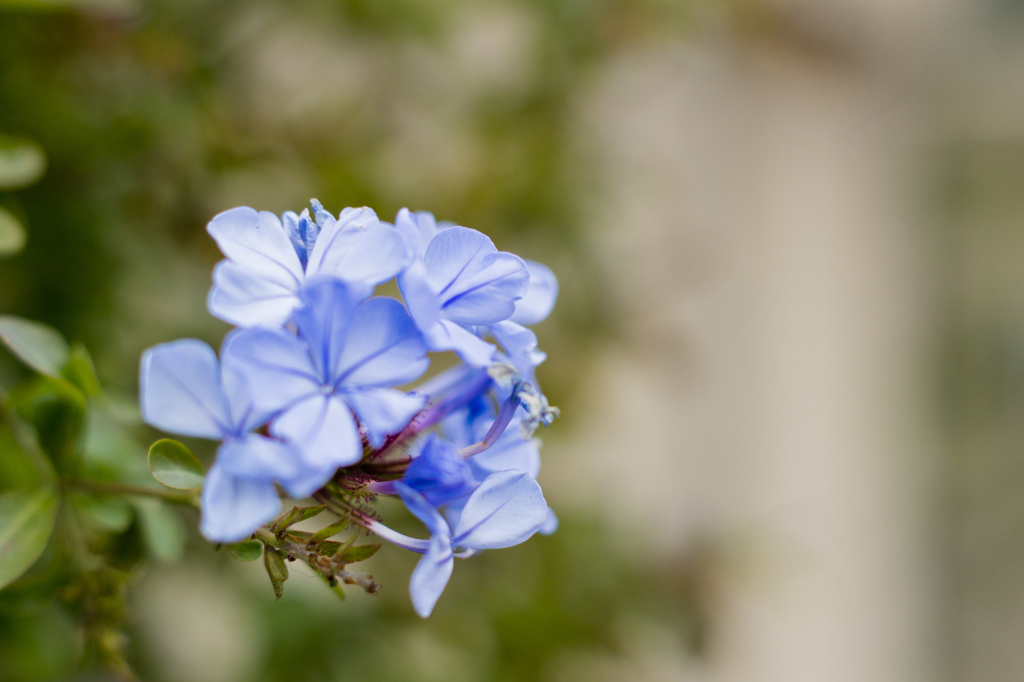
(307, 399)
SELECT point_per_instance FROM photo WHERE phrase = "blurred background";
(789, 348)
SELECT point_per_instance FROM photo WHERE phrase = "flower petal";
(439, 473)
(470, 347)
(520, 345)
(540, 297)
(476, 283)
(424, 306)
(431, 574)
(382, 347)
(511, 451)
(180, 390)
(359, 248)
(505, 510)
(275, 364)
(550, 524)
(256, 457)
(246, 298)
(383, 410)
(322, 430)
(328, 306)
(257, 242)
(234, 507)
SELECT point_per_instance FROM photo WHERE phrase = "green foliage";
(57, 411)
(175, 466)
(296, 515)
(26, 522)
(39, 346)
(250, 550)
(273, 561)
(12, 234)
(22, 162)
(359, 553)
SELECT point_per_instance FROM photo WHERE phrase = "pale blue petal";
(321, 428)
(424, 306)
(476, 283)
(471, 348)
(511, 451)
(358, 247)
(324, 320)
(257, 242)
(180, 390)
(234, 507)
(432, 573)
(424, 511)
(439, 473)
(408, 227)
(505, 510)
(540, 297)
(275, 364)
(383, 410)
(550, 524)
(257, 457)
(520, 345)
(320, 213)
(246, 298)
(382, 348)
(290, 222)
(431, 576)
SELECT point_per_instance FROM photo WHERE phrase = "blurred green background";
(789, 347)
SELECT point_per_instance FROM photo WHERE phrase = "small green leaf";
(338, 590)
(359, 553)
(330, 548)
(107, 513)
(39, 346)
(12, 234)
(26, 522)
(250, 550)
(327, 532)
(276, 569)
(297, 515)
(162, 529)
(81, 371)
(22, 162)
(57, 412)
(175, 466)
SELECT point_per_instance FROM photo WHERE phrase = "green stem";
(186, 498)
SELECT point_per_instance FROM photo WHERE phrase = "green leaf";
(26, 522)
(327, 532)
(22, 162)
(359, 553)
(12, 234)
(276, 569)
(175, 466)
(338, 590)
(107, 513)
(250, 550)
(297, 515)
(162, 529)
(57, 411)
(330, 548)
(39, 346)
(81, 371)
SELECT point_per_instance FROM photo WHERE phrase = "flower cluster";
(306, 397)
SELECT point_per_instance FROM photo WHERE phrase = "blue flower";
(348, 352)
(439, 472)
(268, 262)
(505, 510)
(183, 390)
(461, 281)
